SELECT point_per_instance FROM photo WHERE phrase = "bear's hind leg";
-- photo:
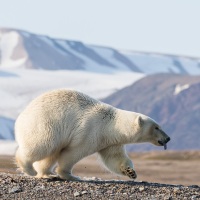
(45, 167)
(67, 159)
(25, 164)
(117, 161)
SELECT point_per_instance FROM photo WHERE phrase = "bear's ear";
(140, 121)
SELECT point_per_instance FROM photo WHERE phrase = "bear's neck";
(125, 132)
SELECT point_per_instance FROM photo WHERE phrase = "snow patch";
(8, 43)
(90, 65)
(47, 40)
(179, 88)
(26, 34)
(191, 65)
(108, 54)
(8, 147)
(151, 64)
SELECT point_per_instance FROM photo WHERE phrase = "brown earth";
(170, 167)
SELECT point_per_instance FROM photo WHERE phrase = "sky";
(161, 26)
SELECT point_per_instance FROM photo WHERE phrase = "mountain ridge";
(101, 46)
(21, 49)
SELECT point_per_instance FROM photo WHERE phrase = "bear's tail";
(25, 164)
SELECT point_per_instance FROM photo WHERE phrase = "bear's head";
(150, 131)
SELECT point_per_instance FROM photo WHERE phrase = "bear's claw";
(129, 172)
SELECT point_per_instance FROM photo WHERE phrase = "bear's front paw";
(129, 172)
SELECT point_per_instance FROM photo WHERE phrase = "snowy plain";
(18, 89)
(19, 86)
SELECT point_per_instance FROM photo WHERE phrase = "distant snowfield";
(8, 147)
(17, 91)
(19, 86)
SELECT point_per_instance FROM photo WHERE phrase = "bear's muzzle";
(164, 143)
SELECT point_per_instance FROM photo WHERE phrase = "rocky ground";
(176, 172)
(15, 186)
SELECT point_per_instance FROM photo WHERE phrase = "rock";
(141, 189)
(14, 190)
(84, 192)
(176, 189)
(76, 194)
(193, 186)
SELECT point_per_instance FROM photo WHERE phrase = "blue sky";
(163, 26)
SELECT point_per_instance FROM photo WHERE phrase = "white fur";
(64, 126)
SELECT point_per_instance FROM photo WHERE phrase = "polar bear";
(61, 127)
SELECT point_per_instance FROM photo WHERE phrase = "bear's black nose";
(167, 140)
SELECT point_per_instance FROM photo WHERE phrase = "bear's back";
(62, 99)
(62, 111)
(56, 110)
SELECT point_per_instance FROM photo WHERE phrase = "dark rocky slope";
(172, 100)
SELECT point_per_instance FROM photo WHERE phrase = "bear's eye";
(156, 128)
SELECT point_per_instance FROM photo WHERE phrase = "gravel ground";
(23, 187)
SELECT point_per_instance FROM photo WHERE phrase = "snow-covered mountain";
(21, 49)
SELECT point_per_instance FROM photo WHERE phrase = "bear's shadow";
(129, 182)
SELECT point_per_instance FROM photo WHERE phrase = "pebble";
(76, 194)
(14, 190)
(193, 197)
(141, 189)
(193, 186)
(84, 192)
(176, 189)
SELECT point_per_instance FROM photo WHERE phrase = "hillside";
(172, 100)
(21, 49)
